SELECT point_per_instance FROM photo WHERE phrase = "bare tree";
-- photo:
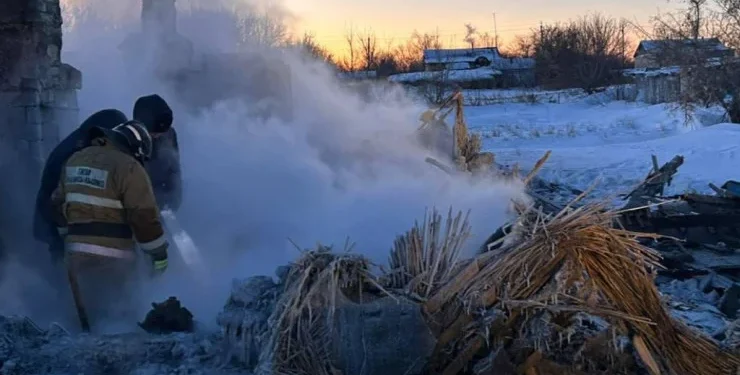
(487, 40)
(709, 75)
(350, 63)
(521, 46)
(265, 28)
(369, 50)
(726, 22)
(308, 44)
(694, 17)
(410, 56)
(471, 35)
(584, 53)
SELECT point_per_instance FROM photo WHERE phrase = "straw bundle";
(420, 260)
(572, 262)
(303, 320)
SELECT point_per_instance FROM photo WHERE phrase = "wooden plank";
(452, 288)
(654, 183)
(463, 359)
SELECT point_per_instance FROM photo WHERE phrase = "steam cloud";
(345, 166)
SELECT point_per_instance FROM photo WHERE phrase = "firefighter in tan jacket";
(104, 206)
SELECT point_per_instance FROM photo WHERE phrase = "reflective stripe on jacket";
(104, 203)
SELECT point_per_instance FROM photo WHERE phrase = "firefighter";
(103, 205)
(164, 166)
(43, 224)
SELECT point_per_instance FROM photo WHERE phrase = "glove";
(159, 266)
(159, 260)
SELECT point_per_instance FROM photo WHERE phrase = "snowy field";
(593, 138)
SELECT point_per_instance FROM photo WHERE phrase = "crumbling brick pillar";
(38, 93)
(158, 17)
(158, 48)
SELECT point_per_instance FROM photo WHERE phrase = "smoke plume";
(345, 166)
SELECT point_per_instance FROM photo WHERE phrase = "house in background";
(459, 58)
(516, 71)
(510, 72)
(660, 73)
(656, 85)
(663, 53)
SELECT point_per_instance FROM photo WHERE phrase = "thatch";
(421, 260)
(466, 147)
(568, 294)
(574, 262)
(303, 320)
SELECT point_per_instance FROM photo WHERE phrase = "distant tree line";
(588, 52)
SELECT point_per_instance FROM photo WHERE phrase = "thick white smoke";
(343, 167)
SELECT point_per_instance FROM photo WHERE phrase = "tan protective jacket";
(104, 203)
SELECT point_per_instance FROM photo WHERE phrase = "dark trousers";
(56, 249)
(3, 251)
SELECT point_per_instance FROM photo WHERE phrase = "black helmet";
(138, 138)
(131, 135)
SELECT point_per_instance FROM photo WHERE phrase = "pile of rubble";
(565, 293)
(27, 349)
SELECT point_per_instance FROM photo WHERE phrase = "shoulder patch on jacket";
(86, 176)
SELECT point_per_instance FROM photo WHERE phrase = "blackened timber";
(654, 184)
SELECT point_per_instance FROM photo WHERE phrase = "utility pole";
(495, 31)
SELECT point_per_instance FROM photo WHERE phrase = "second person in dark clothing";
(164, 166)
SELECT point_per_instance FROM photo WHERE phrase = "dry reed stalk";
(303, 318)
(475, 144)
(578, 261)
(460, 129)
(425, 257)
(537, 166)
(452, 288)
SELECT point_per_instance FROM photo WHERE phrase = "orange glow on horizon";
(394, 21)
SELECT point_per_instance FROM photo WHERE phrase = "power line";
(451, 36)
(441, 33)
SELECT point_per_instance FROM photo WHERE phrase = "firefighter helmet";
(137, 137)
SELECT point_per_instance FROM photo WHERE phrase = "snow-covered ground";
(462, 75)
(593, 138)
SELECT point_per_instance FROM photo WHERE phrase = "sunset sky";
(394, 20)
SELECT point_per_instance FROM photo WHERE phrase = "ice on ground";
(27, 349)
(611, 141)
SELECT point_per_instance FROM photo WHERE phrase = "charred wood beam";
(654, 183)
(698, 201)
(658, 223)
(547, 206)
